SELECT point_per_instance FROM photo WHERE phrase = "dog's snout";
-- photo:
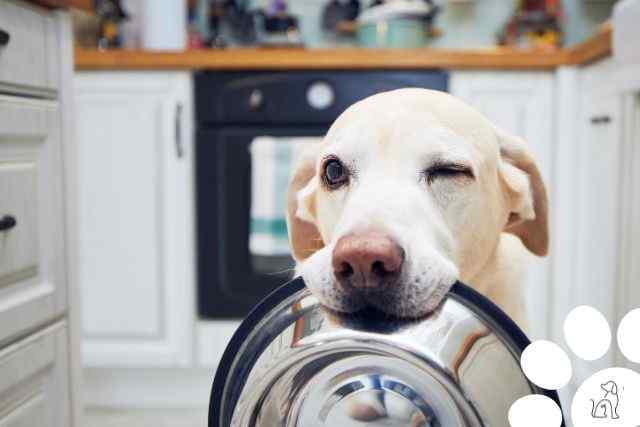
(367, 261)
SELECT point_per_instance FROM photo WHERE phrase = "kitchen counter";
(593, 49)
(64, 4)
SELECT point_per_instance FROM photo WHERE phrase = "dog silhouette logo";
(607, 407)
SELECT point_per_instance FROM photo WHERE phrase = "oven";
(250, 127)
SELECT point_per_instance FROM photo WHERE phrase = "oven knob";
(256, 100)
(320, 95)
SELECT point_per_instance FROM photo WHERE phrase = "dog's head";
(610, 387)
(409, 191)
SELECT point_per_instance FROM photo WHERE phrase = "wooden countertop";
(593, 49)
(64, 4)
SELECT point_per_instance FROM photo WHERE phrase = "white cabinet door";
(34, 386)
(32, 269)
(597, 215)
(521, 103)
(629, 277)
(135, 223)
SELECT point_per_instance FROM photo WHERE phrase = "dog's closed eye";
(447, 170)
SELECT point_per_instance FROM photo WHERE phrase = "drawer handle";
(4, 37)
(178, 130)
(7, 222)
(597, 120)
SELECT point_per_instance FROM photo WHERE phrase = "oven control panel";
(296, 97)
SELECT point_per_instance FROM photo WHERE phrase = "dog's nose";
(367, 261)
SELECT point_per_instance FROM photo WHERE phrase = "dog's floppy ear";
(304, 237)
(525, 194)
(610, 387)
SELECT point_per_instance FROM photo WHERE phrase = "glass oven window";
(272, 162)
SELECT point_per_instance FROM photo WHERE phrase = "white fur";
(450, 229)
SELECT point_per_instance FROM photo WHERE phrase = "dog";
(607, 407)
(409, 191)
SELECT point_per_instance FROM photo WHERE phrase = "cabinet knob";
(256, 100)
(7, 222)
(4, 37)
(596, 120)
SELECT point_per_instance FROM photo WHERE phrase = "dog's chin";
(341, 302)
(401, 303)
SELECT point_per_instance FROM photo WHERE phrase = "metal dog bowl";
(294, 363)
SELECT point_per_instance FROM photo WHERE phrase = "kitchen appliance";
(396, 24)
(337, 11)
(294, 363)
(535, 24)
(233, 111)
(279, 28)
(162, 24)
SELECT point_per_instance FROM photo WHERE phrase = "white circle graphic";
(628, 340)
(608, 398)
(546, 364)
(535, 410)
(587, 333)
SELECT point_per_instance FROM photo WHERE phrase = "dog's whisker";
(278, 272)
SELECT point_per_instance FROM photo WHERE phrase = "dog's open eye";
(447, 170)
(334, 173)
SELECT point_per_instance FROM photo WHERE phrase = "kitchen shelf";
(593, 49)
(65, 4)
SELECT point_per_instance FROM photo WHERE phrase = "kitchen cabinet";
(38, 348)
(32, 275)
(629, 230)
(521, 103)
(605, 217)
(599, 199)
(598, 215)
(28, 60)
(135, 218)
(34, 389)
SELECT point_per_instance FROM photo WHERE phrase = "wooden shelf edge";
(316, 59)
(599, 46)
(86, 5)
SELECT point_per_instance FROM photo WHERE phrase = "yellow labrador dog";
(409, 191)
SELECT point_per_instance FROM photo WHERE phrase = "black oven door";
(242, 247)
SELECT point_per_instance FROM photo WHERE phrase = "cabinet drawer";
(32, 255)
(18, 221)
(23, 57)
(34, 380)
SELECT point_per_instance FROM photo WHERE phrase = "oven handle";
(178, 130)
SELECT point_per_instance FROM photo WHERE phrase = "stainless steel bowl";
(294, 363)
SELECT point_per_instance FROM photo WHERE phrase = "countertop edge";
(86, 5)
(597, 47)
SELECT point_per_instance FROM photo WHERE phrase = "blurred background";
(188, 116)
(140, 24)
